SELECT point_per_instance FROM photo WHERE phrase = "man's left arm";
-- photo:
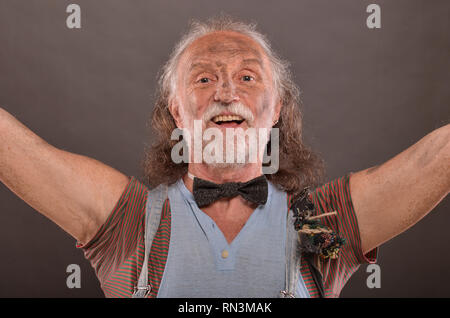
(390, 198)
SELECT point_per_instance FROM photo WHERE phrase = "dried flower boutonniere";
(313, 236)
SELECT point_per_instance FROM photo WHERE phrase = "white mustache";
(236, 108)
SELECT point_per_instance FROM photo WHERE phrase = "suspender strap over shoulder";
(302, 203)
(292, 259)
(157, 197)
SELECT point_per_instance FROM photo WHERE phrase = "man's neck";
(230, 214)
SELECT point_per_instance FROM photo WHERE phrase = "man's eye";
(204, 80)
(247, 78)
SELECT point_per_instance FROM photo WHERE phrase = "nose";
(226, 92)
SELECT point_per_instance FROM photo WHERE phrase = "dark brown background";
(368, 95)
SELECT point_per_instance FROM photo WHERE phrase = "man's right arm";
(74, 191)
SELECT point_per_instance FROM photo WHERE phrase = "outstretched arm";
(74, 191)
(390, 198)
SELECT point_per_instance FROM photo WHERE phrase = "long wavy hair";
(299, 166)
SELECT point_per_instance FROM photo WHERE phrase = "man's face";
(225, 68)
(225, 80)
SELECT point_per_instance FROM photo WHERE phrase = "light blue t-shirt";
(201, 263)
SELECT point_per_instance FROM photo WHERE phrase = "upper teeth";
(227, 118)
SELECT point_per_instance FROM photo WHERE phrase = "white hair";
(198, 29)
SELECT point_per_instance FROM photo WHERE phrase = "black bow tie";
(206, 192)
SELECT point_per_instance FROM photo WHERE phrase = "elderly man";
(224, 229)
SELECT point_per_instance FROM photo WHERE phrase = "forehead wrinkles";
(234, 47)
(223, 47)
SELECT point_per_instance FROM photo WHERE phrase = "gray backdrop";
(368, 94)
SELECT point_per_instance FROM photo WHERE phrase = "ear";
(174, 109)
(276, 113)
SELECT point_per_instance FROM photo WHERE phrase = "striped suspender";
(152, 219)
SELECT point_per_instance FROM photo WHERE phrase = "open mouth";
(227, 119)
